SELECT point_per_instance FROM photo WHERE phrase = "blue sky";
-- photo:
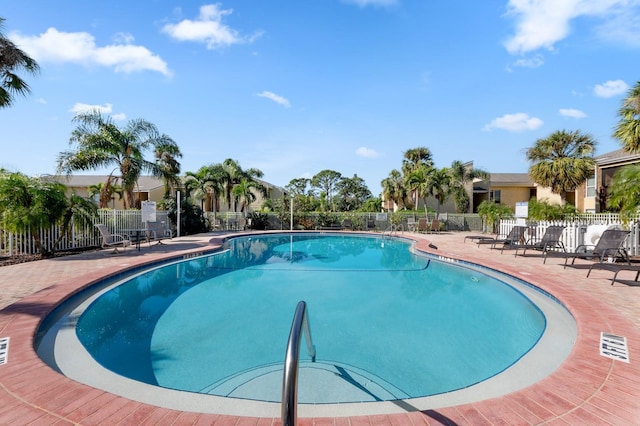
(296, 87)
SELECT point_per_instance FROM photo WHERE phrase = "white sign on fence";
(522, 209)
(148, 211)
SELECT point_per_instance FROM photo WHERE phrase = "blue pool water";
(386, 323)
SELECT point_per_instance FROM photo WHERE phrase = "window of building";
(591, 186)
(495, 196)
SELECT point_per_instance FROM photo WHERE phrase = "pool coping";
(587, 388)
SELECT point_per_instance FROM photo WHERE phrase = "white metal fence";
(574, 232)
(14, 244)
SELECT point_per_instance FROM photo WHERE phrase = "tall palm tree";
(413, 159)
(439, 186)
(462, 175)
(562, 161)
(244, 194)
(393, 189)
(12, 60)
(233, 174)
(100, 143)
(628, 129)
(166, 154)
(419, 182)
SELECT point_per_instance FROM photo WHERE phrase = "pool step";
(318, 383)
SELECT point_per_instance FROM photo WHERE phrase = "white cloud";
(275, 98)
(542, 23)
(533, 62)
(80, 48)
(208, 28)
(80, 108)
(518, 122)
(610, 88)
(572, 113)
(364, 3)
(366, 152)
(42, 101)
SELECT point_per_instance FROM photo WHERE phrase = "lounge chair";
(346, 224)
(411, 224)
(610, 245)
(550, 240)
(422, 225)
(113, 240)
(515, 236)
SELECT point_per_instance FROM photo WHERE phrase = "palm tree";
(413, 159)
(105, 191)
(461, 175)
(419, 182)
(30, 204)
(13, 59)
(100, 143)
(393, 189)
(562, 161)
(628, 128)
(242, 193)
(439, 186)
(166, 154)
(624, 193)
(234, 175)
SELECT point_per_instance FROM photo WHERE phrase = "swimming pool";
(387, 324)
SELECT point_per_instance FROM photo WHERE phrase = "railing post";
(290, 376)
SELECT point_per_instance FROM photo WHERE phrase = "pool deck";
(588, 389)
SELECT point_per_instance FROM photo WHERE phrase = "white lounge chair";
(113, 240)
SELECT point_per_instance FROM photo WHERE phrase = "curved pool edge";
(584, 388)
(73, 360)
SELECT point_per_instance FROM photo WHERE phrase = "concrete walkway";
(587, 389)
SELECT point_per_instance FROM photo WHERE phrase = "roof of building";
(145, 183)
(617, 157)
(517, 179)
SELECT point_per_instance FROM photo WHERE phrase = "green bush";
(543, 210)
(492, 213)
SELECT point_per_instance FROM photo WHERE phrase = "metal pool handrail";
(290, 377)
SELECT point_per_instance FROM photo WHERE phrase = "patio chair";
(434, 227)
(422, 225)
(156, 231)
(346, 224)
(515, 236)
(112, 240)
(610, 245)
(371, 224)
(550, 240)
(411, 224)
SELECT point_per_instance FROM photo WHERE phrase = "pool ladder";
(290, 377)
